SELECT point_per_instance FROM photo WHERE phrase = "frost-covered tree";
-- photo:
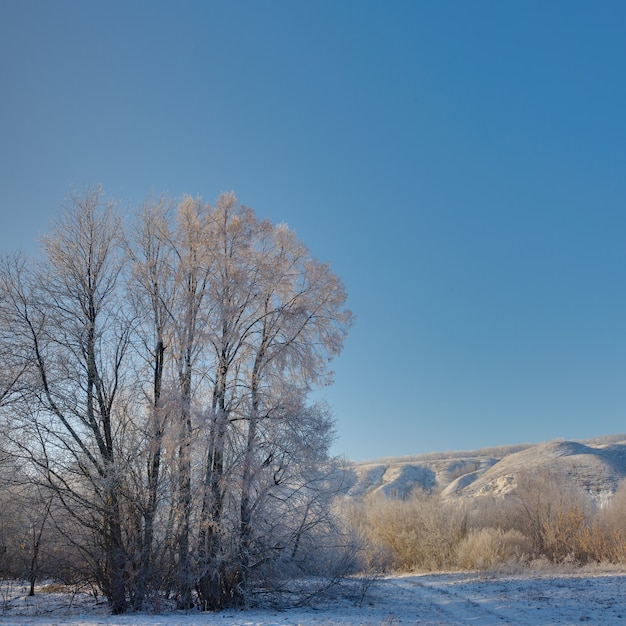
(150, 290)
(250, 322)
(164, 377)
(277, 317)
(64, 313)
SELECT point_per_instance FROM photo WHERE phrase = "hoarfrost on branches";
(160, 393)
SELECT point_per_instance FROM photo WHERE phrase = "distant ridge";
(597, 465)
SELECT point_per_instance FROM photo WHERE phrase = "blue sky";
(461, 165)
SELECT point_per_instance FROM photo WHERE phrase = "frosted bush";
(485, 548)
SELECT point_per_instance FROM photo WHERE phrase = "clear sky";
(461, 165)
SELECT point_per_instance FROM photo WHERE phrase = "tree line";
(155, 396)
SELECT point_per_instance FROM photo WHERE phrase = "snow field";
(463, 599)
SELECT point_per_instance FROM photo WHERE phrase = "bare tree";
(67, 313)
(173, 262)
(151, 292)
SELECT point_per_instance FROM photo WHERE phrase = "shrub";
(557, 516)
(612, 521)
(418, 533)
(485, 548)
(548, 519)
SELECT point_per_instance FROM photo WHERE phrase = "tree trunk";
(218, 584)
(154, 470)
(36, 544)
(185, 600)
(116, 559)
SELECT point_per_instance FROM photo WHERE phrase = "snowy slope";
(596, 465)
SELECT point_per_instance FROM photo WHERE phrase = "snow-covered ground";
(535, 599)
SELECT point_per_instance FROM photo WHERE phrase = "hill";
(596, 465)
